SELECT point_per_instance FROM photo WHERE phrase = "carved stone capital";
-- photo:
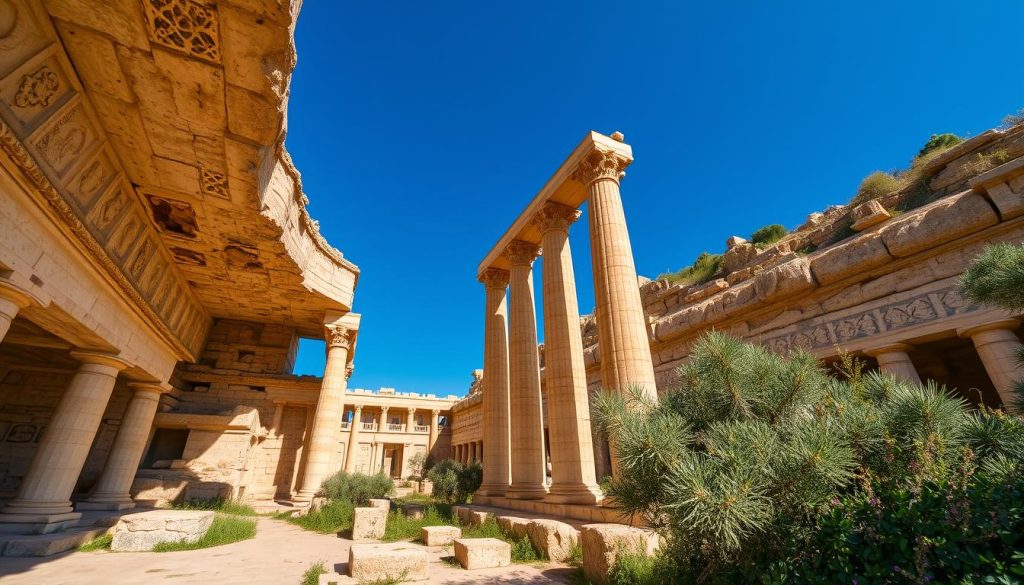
(601, 164)
(339, 336)
(494, 278)
(555, 216)
(521, 253)
(435, 411)
(358, 408)
(384, 410)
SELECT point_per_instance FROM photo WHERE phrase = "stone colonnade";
(514, 453)
(469, 452)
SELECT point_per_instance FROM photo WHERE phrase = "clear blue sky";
(422, 130)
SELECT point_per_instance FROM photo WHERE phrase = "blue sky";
(423, 129)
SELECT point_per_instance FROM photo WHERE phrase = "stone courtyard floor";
(279, 554)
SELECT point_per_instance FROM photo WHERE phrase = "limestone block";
(553, 538)
(144, 530)
(1010, 203)
(739, 256)
(439, 535)
(482, 553)
(946, 219)
(462, 513)
(414, 511)
(706, 290)
(785, 279)
(514, 525)
(854, 256)
(401, 560)
(868, 214)
(381, 503)
(602, 544)
(368, 523)
(734, 241)
(476, 517)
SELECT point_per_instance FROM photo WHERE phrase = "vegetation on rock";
(939, 142)
(705, 268)
(226, 529)
(769, 234)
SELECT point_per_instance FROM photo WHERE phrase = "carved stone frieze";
(185, 26)
(38, 89)
(64, 138)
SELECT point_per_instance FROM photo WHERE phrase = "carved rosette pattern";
(555, 216)
(185, 26)
(601, 164)
(890, 317)
(339, 336)
(520, 253)
(494, 278)
(38, 89)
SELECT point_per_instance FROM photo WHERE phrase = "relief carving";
(214, 183)
(66, 139)
(37, 90)
(186, 26)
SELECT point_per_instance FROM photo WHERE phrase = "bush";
(225, 529)
(357, 488)
(705, 268)
(455, 482)
(939, 142)
(331, 518)
(877, 184)
(769, 234)
(997, 277)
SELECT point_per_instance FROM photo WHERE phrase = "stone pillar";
(12, 300)
(353, 439)
(410, 420)
(998, 348)
(480, 451)
(382, 424)
(473, 456)
(329, 409)
(495, 405)
(573, 475)
(433, 430)
(621, 324)
(894, 359)
(275, 430)
(527, 434)
(43, 503)
(111, 491)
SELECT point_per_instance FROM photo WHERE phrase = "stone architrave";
(329, 409)
(622, 327)
(527, 434)
(573, 475)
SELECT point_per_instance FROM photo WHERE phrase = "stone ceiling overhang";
(161, 125)
(560, 188)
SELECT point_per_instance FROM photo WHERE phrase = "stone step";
(44, 545)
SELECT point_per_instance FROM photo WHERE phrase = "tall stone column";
(410, 420)
(382, 426)
(329, 409)
(894, 359)
(573, 475)
(111, 491)
(433, 430)
(353, 439)
(998, 347)
(12, 300)
(43, 503)
(527, 434)
(495, 401)
(621, 324)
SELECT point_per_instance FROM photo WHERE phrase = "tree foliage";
(454, 482)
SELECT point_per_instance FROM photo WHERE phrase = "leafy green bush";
(402, 527)
(455, 482)
(225, 529)
(357, 488)
(704, 268)
(769, 234)
(939, 142)
(875, 185)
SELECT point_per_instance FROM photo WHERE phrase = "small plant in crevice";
(312, 574)
(705, 268)
(101, 542)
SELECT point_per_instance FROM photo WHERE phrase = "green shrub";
(705, 268)
(524, 552)
(312, 574)
(454, 482)
(769, 234)
(357, 488)
(332, 518)
(939, 142)
(631, 569)
(877, 184)
(101, 542)
(225, 529)
(997, 277)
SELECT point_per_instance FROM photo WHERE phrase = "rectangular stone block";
(143, 531)
(414, 511)
(439, 535)
(476, 517)
(482, 553)
(603, 543)
(383, 504)
(401, 560)
(514, 525)
(553, 538)
(368, 523)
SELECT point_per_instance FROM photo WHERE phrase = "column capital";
(339, 336)
(157, 388)
(411, 409)
(13, 294)
(384, 408)
(892, 347)
(494, 278)
(99, 358)
(358, 407)
(601, 164)
(521, 253)
(435, 411)
(555, 216)
(1008, 324)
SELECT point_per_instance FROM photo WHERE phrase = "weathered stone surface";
(553, 538)
(439, 535)
(368, 523)
(868, 214)
(1008, 201)
(462, 513)
(144, 530)
(734, 241)
(850, 257)
(946, 219)
(401, 560)
(414, 511)
(482, 553)
(739, 256)
(514, 525)
(785, 279)
(477, 517)
(706, 290)
(380, 503)
(603, 543)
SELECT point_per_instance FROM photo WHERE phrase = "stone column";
(410, 420)
(329, 409)
(433, 430)
(353, 439)
(480, 451)
(473, 454)
(495, 405)
(527, 434)
(12, 300)
(998, 348)
(622, 326)
(43, 503)
(275, 430)
(382, 422)
(894, 359)
(573, 475)
(111, 491)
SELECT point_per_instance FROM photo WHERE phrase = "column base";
(574, 494)
(526, 492)
(494, 491)
(303, 497)
(115, 505)
(37, 523)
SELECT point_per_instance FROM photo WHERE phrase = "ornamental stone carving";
(38, 89)
(555, 216)
(185, 26)
(339, 336)
(494, 278)
(601, 164)
(521, 253)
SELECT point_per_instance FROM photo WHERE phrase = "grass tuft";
(575, 558)
(332, 518)
(767, 235)
(402, 527)
(224, 506)
(312, 574)
(225, 529)
(706, 267)
(101, 542)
